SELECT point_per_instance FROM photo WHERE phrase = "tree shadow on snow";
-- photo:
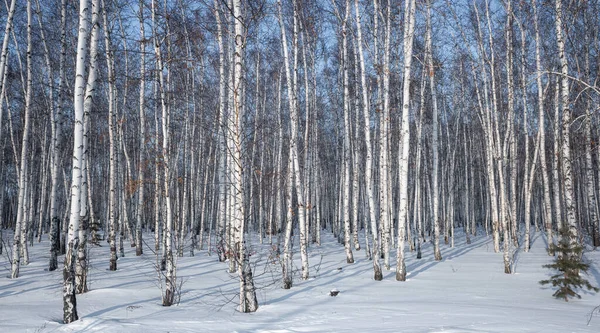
(418, 266)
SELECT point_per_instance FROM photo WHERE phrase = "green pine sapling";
(569, 264)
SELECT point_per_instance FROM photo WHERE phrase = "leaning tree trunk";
(23, 179)
(4, 51)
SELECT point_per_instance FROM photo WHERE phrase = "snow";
(466, 292)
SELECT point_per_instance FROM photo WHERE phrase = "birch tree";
(69, 299)
(81, 267)
(565, 157)
(21, 223)
(170, 278)
(409, 29)
(431, 73)
(248, 302)
(546, 204)
(377, 273)
(347, 154)
(294, 181)
(142, 148)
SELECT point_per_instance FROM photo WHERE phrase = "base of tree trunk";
(287, 283)
(401, 273)
(168, 299)
(377, 275)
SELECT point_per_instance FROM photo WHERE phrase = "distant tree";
(569, 265)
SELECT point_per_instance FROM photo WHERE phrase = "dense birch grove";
(179, 126)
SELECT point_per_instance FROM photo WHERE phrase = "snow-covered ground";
(466, 292)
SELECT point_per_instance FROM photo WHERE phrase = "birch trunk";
(294, 173)
(21, 223)
(347, 155)
(248, 302)
(434, 145)
(81, 268)
(55, 118)
(69, 300)
(4, 51)
(565, 157)
(409, 30)
(141, 163)
(509, 152)
(377, 273)
(112, 144)
(170, 279)
(384, 159)
(546, 203)
(221, 137)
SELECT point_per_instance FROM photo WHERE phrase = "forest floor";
(466, 292)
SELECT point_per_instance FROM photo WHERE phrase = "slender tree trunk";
(221, 241)
(377, 273)
(85, 205)
(21, 223)
(69, 300)
(347, 154)
(248, 302)
(170, 279)
(434, 146)
(141, 163)
(294, 167)
(4, 51)
(509, 219)
(409, 30)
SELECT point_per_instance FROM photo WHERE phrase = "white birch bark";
(565, 157)
(347, 154)
(294, 173)
(248, 301)
(356, 156)
(141, 163)
(434, 139)
(589, 174)
(55, 115)
(221, 241)
(69, 301)
(4, 51)
(409, 30)
(377, 273)
(384, 160)
(112, 197)
(491, 145)
(510, 217)
(556, 180)
(21, 222)
(170, 279)
(81, 267)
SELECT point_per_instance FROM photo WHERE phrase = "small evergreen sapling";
(569, 263)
